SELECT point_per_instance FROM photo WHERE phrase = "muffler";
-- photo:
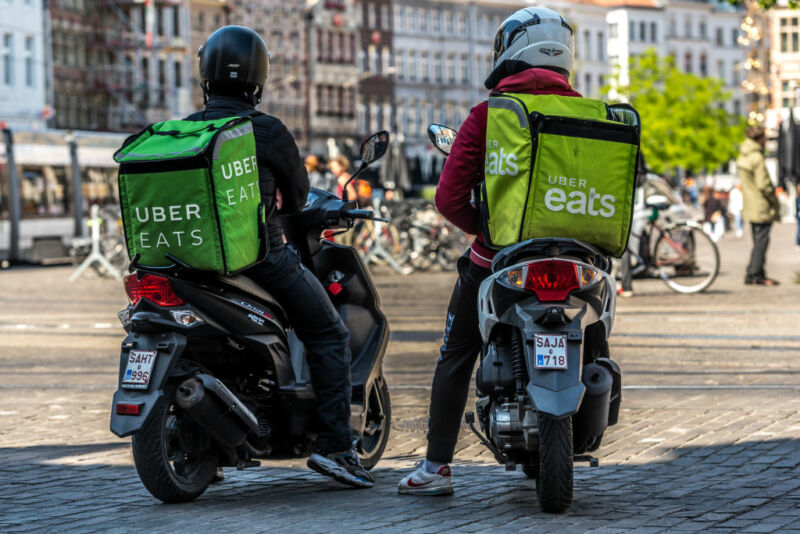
(592, 417)
(216, 409)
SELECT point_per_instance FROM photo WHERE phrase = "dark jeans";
(462, 344)
(755, 270)
(319, 326)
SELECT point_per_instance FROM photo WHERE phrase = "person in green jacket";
(761, 205)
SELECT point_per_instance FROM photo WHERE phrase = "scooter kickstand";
(593, 462)
(469, 417)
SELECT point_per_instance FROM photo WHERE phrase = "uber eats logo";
(578, 201)
(498, 161)
(190, 214)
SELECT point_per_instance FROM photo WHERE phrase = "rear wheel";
(376, 430)
(554, 485)
(686, 259)
(175, 458)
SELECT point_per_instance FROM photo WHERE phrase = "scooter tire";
(150, 447)
(376, 452)
(554, 485)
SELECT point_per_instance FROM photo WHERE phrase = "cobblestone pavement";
(708, 439)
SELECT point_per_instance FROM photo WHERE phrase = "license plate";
(551, 351)
(139, 369)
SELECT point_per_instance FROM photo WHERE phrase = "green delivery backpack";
(559, 166)
(190, 189)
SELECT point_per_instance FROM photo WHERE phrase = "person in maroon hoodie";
(533, 53)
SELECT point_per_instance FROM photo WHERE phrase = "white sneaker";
(420, 482)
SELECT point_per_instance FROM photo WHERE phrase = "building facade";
(23, 75)
(285, 27)
(376, 81)
(701, 36)
(333, 45)
(784, 72)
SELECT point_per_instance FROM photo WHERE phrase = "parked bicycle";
(681, 254)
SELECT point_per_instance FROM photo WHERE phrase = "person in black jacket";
(234, 64)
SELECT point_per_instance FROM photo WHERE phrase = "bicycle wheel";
(687, 260)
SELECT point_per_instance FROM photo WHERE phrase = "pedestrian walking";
(713, 210)
(760, 204)
(735, 208)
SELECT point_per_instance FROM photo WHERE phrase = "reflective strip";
(510, 105)
(233, 133)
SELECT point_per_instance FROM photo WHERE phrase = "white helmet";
(535, 37)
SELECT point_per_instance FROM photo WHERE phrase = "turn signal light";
(551, 280)
(156, 289)
(128, 409)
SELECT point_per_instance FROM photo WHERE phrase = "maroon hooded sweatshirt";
(464, 167)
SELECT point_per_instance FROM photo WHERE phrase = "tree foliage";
(684, 123)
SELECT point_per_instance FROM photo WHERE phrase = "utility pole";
(77, 183)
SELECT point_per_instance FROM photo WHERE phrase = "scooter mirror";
(442, 137)
(374, 147)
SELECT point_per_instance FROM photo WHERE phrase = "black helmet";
(234, 55)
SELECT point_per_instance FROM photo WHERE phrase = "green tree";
(684, 123)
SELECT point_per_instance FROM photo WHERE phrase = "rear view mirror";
(442, 137)
(374, 147)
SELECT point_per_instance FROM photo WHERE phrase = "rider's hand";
(278, 199)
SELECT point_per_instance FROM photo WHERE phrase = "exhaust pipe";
(216, 409)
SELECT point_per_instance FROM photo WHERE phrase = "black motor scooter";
(212, 375)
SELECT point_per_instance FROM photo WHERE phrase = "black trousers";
(755, 269)
(451, 380)
(320, 327)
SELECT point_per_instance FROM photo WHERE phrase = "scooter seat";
(247, 285)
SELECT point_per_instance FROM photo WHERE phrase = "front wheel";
(376, 430)
(686, 258)
(175, 458)
(554, 484)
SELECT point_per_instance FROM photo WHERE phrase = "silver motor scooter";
(547, 389)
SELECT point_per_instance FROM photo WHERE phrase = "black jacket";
(279, 162)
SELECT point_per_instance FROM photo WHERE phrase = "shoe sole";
(426, 491)
(341, 475)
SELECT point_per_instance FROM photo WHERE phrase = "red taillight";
(156, 289)
(128, 409)
(552, 280)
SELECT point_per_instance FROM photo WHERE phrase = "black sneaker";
(344, 467)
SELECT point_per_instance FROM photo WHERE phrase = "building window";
(643, 31)
(632, 31)
(7, 57)
(464, 67)
(613, 30)
(29, 62)
(737, 107)
(721, 69)
(601, 47)
(437, 67)
(435, 23)
(688, 27)
(176, 21)
(653, 32)
(673, 27)
(385, 22)
(734, 36)
(687, 62)
(720, 39)
(587, 44)
(588, 86)
(371, 16)
(790, 38)
(703, 66)
(702, 29)
(461, 24)
(178, 74)
(450, 68)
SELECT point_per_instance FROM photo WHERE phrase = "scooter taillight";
(551, 280)
(156, 289)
